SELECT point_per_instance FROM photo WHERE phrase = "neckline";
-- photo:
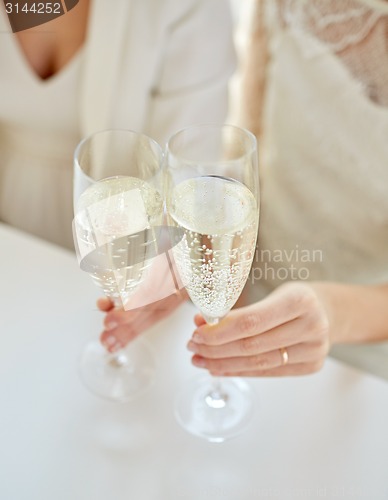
(23, 62)
(53, 79)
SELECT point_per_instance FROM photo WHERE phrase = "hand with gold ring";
(287, 333)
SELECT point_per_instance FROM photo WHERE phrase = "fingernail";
(200, 362)
(197, 338)
(112, 344)
(192, 347)
(116, 347)
(111, 325)
(109, 341)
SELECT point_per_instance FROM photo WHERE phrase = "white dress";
(153, 66)
(324, 152)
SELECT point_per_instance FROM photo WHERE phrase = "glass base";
(215, 413)
(121, 376)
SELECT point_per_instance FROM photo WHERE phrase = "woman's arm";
(356, 313)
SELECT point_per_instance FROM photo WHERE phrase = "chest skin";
(48, 48)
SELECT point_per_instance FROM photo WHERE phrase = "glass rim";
(133, 133)
(210, 125)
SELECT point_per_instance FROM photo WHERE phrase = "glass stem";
(216, 397)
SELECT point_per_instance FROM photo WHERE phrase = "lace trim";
(355, 30)
(380, 5)
(339, 23)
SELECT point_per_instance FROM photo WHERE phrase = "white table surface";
(322, 436)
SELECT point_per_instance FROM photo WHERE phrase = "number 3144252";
(34, 8)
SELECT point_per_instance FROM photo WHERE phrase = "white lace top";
(355, 30)
(324, 151)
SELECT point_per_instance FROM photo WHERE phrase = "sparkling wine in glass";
(118, 208)
(213, 207)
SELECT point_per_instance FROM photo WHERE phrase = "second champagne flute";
(213, 209)
(118, 206)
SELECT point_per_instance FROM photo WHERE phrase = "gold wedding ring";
(284, 354)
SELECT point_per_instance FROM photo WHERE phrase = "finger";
(306, 353)
(238, 365)
(105, 304)
(285, 304)
(122, 334)
(118, 316)
(285, 335)
(126, 332)
(294, 332)
(199, 320)
(281, 371)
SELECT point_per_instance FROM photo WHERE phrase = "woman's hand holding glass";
(122, 326)
(287, 333)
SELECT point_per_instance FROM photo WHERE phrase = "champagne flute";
(213, 212)
(118, 207)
